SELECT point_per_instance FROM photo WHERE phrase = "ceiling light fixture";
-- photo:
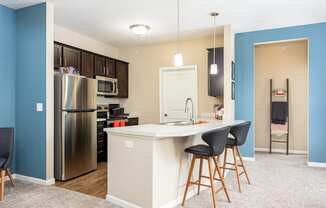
(139, 29)
(178, 58)
(214, 67)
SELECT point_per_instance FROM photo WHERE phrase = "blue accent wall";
(7, 66)
(244, 55)
(30, 89)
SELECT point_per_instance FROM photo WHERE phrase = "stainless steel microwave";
(107, 86)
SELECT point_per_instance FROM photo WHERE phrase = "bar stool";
(240, 133)
(216, 140)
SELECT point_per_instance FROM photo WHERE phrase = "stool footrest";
(217, 179)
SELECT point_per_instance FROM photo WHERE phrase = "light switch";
(39, 107)
(129, 144)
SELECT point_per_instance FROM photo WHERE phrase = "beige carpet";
(278, 181)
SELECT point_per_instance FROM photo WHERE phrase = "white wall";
(69, 37)
(49, 94)
(228, 58)
(145, 62)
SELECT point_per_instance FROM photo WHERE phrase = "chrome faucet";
(192, 119)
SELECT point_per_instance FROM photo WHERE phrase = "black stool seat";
(201, 150)
(231, 142)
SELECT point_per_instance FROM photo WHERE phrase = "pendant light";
(178, 58)
(214, 67)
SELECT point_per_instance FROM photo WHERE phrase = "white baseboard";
(299, 152)
(35, 180)
(250, 159)
(120, 202)
(317, 164)
(172, 204)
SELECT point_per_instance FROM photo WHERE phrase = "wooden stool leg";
(222, 179)
(236, 166)
(200, 174)
(225, 157)
(243, 166)
(189, 179)
(211, 180)
(10, 176)
(2, 185)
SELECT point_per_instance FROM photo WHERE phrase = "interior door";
(177, 84)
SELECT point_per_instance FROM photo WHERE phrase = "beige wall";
(280, 61)
(69, 37)
(145, 62)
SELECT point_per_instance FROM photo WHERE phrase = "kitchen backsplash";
(103, 100)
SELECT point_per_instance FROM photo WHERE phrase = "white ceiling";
(109, 20)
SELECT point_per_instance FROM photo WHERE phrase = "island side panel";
(130, 168)
(171, 167)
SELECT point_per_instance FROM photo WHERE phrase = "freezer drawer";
(78, 144)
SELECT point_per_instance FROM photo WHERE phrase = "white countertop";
(161, 130)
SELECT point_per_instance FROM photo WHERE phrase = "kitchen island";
(147, 166)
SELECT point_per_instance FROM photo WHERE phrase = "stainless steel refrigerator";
(75, 142)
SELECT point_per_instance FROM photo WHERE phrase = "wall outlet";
(39, 107)
(129, 144)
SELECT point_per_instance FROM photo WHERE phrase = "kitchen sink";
(177, 123)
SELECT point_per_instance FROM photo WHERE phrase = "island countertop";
(164, 131)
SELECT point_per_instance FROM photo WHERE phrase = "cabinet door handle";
(165, 114)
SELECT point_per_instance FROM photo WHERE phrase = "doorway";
(280, 61)
(176, 85)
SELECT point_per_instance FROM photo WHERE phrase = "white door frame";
(179, 68)
(308, 87)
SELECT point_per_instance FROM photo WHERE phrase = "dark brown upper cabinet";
(100, 66)
(57, 53)
(87, 66)
(122, 76)
(71, 57)
(216, 81)
(110, 68)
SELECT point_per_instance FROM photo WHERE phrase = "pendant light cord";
(214, 40)
(178, 26)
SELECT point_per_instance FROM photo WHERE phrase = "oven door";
(106, 86)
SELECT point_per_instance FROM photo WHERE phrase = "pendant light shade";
(178, 58)
(214, 67)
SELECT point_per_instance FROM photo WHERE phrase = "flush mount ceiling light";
(139, 29)
(214, 67)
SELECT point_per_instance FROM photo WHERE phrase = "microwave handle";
(116, 88)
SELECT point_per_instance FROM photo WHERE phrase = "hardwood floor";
(93, 183)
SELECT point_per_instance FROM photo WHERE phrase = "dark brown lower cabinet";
(87, 67)
(122, 76)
